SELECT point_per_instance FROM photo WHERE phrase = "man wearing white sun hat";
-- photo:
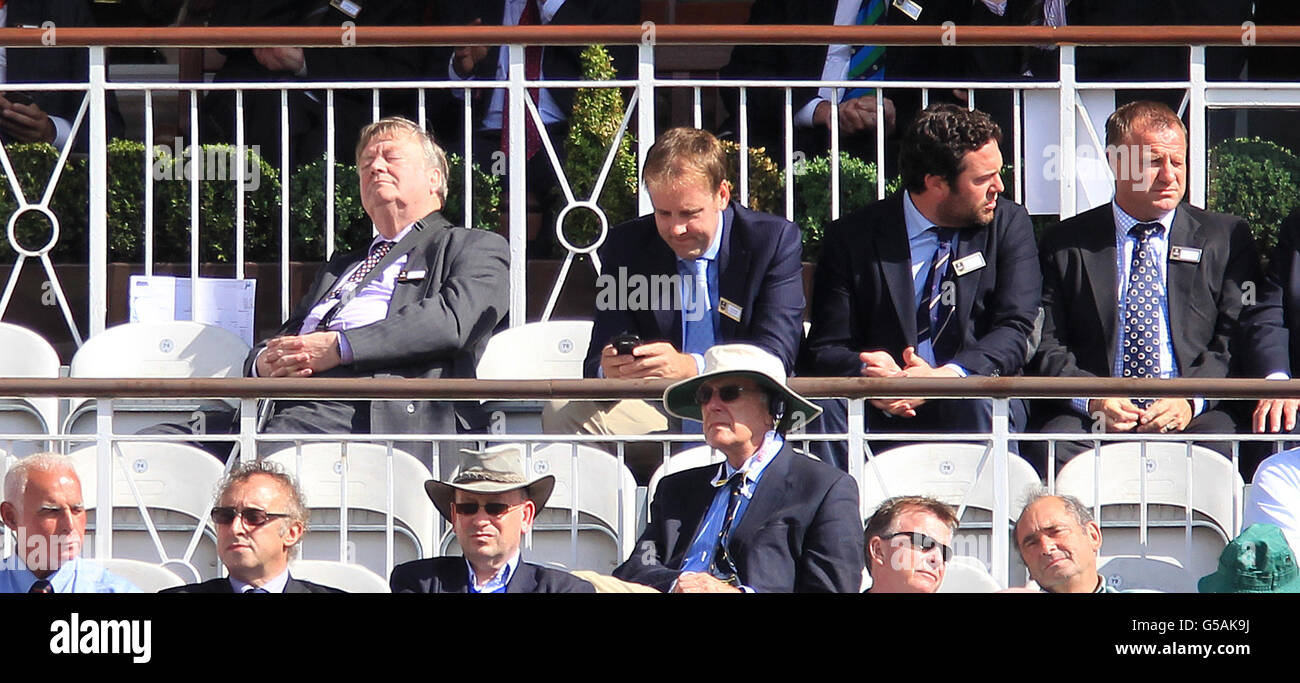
(767, 519)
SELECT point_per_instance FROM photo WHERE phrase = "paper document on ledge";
(226, 303)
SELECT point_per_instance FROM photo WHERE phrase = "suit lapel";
(421, 232)
(895, 259)
(295, 586)
(667, 319)
(970, 240)
(524, 579)
(1185, 231)
(733, 272)
(1099, 269)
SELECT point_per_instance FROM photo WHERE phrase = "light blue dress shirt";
(74, 576)
(496, 584)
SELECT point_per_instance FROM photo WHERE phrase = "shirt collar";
(1124, 222)
(61, 580)
(275, 585)
(397, 238)
(711, 254)
(915, 221)
(499, 580)
(754, 466)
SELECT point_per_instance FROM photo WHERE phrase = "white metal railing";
(1074, 128)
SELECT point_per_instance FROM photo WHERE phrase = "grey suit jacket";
(448, 298)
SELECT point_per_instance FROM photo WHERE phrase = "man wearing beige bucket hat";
(766, 520)
(491, 504)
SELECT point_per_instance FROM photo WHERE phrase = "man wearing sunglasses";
(260, 518)
(43, 507)
(491, 504)
(767, 519)
(1059, 541)
(909, 543)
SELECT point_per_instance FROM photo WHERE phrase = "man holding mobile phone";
(722, 274)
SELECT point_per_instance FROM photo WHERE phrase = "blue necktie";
(866, 64)
(935, 311)
(724, 568)
(1142, 299)
(697, 311)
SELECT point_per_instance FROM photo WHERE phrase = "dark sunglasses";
(494, 509)
(726, 393)
(252, 516)
(925, 543)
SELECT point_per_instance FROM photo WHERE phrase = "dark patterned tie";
(1142, 298)
(935, 311)
(41, 586)
(256, 590)
(532, 16)
(377, 254)
(724, 569)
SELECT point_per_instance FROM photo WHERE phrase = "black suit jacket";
(802, 531)
(1205, 299)
(806, 62)
(451, 575)
(759, 269)
(451, 294)
(45, 64)
(863, 292)
(559, 62)
(307, 123)
(223, 586)
(1264, 344)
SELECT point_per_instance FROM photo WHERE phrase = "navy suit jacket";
(863, 295)
(223, 586)
(759, 269)
(802, 531)
(1264, 343)
(1205, 298)
(451, 575)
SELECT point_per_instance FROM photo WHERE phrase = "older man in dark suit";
(1145, 286)
(420, 301)
(260, 518)
(766, 520)
(491, 504)
(940, 280)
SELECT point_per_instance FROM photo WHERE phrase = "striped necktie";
(866, 63)
(935, 311)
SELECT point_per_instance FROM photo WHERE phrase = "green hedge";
(33, 163)
(1257, 180)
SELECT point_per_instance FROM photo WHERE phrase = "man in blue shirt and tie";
(1145, 286)
(701, 270)
(44, 508)
(767, 519)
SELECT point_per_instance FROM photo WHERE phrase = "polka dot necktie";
(377, 254)
(1142, 299)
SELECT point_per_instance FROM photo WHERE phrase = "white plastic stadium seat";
(1146, 574)
(320, 470)
(349, 578)
(146, 576)
(968, 575)
(154, 350)
(554, 349)
(1177, 477)
(27, 354)
(175, 484)
(588, 482)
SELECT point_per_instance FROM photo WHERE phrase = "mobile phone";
(624, 343)
(19, 98)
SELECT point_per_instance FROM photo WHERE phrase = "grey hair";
(16, 477)
(397, 126)
(1081, 513)
(297, 504)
